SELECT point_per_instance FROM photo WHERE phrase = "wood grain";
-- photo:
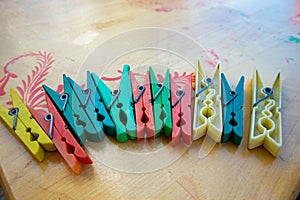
(242, 35)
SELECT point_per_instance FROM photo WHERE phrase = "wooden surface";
(243, 35)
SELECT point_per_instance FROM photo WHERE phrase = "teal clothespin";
(161, 103)
(102, 114)
(233, 103)
(97, 115)
(75, 115)
(119, 103)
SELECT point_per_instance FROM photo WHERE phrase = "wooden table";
(243, 35)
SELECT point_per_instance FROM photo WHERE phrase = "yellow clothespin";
(26, 128)
(207, 110)
(266, 115)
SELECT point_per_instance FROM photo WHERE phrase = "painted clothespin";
(207, 110)
(233, 103)
(119, 103)
(74, 113)
(64, 141)
(181, 111)
(161, 103)
(26, 128)
(266, 115)
(143, 107)
(91, 101)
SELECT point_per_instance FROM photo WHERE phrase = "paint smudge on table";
(167, 6)
(288, 60)
(215, 58)
(292, 39)
(295, 19)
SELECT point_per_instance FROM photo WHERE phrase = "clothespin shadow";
(265, 126)
(21, 122)
(233, 103)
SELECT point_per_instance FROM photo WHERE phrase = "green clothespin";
(161, 103)
(233, 103)
(119, 103)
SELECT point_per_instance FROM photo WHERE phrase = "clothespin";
(26, 128)
(119, 103)
(143, 107)
(181, 111)
(207, 110)
(208, 107)
(161, 103)
(91, 102)
(233, 103)
(266, 115)
(66, 144)
(73, 112)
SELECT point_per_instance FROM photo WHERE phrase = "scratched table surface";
(41, 40)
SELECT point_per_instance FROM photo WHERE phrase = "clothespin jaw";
(208, 106)
(266, 115)
(65, 109)
(120, 105)
(101, 112)
(233, 103)
(26, 128)
(66, 144)
(181, 111)
(161, 103)
(143, 107)
(84, 113)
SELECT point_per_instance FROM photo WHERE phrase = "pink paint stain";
(287, 60)
(167, 6)
(295, 19)
(215, 58)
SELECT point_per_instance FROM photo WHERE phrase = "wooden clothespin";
(74, 113)
(161, 103)
(119, 103)
(181, 111)
(233, 103)
(207, 110)
(20, 120)
(266, 115)
(143, 107)
(62, 138)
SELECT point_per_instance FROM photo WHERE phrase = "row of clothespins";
(146, 110)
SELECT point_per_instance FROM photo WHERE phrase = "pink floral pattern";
(30, 89)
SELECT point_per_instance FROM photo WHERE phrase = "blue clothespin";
(119, 102)
(74, 114)
(91, 102)
(233, 103)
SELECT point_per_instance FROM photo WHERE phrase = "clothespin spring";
(180, 94)
(116, 94)
(14, 112)
(141, 88)
(87, 92)
(49, 118)
(64, 97)
(159, 91)
(232, 93)
(209, 82)
(268, 91)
